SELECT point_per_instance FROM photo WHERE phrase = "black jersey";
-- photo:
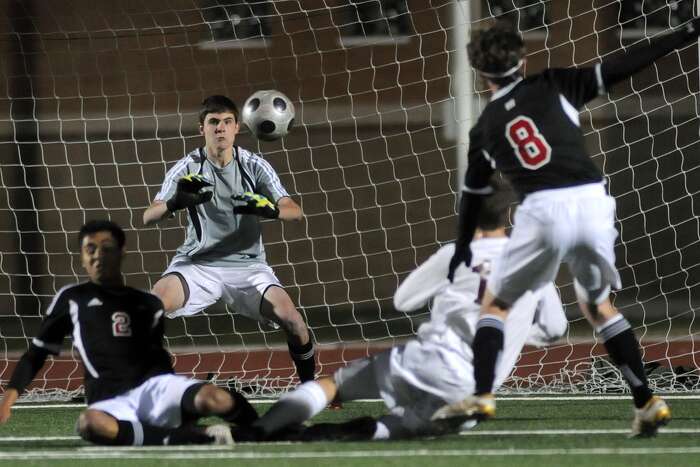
(530, 132)
(117, 331)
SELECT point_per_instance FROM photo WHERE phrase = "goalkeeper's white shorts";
(155, 402)
(242, 287)
(573, 225)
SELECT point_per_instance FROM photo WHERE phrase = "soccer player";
(226, 190)
(530, 132)
(417, 378)
(132, 394)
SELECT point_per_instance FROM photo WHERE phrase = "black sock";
(187, 407)
(303, 356)
(186, 434)
(487, 346)
(242, 413)
(623, 349)
(125, 436)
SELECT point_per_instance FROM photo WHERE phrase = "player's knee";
(213, 400)
(292, 323)
(169, 290)
(93, 425)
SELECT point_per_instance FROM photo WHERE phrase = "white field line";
(554, 432)
(523, 398)
(209, 453)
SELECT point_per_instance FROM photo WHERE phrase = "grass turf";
(512, 441)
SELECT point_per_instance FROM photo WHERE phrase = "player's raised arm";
(626, 63)
(188, 192)
(476, 185)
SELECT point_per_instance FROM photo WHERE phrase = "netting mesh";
(100, 99)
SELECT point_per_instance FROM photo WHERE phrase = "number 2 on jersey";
(121, 324)
(530, 147)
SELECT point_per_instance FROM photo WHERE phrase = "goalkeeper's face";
(102, 258)
(219, 131)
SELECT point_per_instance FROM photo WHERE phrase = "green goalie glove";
(188, 192)
(255, 204)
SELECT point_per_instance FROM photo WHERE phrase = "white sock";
(294, 407)
(382, 432)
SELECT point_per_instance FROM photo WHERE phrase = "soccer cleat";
(221, 434)
(649, 418)
(481, 407)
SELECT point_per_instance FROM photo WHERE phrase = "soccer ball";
(268, 114)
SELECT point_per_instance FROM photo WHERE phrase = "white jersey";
(439, 361)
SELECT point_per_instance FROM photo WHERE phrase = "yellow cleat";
(481, 407)
(649, 418)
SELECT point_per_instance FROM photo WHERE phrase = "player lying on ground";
(132, 394)
(417, 378)
(226, 189)
(530, 131)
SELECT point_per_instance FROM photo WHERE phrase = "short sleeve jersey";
(530, 131)
(215, 235)
(118, 333)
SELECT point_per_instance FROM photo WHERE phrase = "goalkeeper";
(226, 190)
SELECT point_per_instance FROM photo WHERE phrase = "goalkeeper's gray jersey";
(215, 235)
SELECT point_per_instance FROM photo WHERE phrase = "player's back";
(457, 305)
(531, 130)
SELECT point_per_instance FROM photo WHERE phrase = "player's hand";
(255, 204)
(188, 192)
(463, 254)
(6, 404)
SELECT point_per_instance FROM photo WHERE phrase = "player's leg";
(623, 348)
(186, 289)
(296, 406)
(592, 264)
(278, 307)
(203, 399)
(530, 260)
(102, 428)
(172, 291)
(255, 292)
(355, 381)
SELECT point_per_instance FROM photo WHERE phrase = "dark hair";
(494, 209)
(92, 227)
(217, 104)
(496, 51)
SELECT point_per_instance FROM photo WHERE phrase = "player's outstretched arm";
(256, 204)
(624, 64)
(469, 208)
(188, 193)
(25, 371)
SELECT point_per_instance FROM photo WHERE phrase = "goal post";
(101, 98)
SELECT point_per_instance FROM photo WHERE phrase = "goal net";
(101, 98)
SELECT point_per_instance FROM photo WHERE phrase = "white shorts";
(155, 402)
(242, 287)
(574, 225)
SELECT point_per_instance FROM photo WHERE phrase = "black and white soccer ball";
(268, 114)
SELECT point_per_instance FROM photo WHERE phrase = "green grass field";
(531, 431)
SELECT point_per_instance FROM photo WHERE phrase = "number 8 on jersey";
(530, 147)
